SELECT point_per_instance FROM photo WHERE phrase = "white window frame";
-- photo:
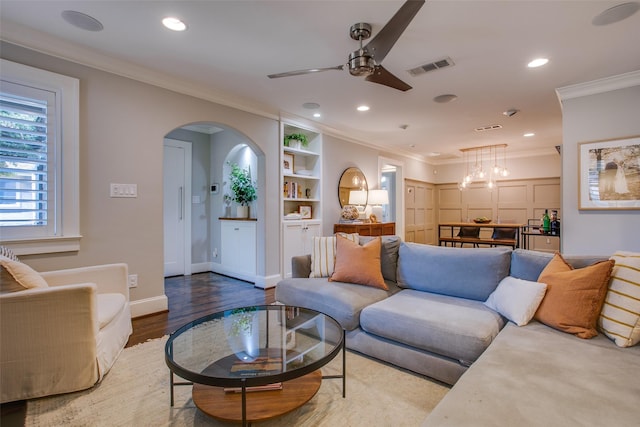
(67, 93)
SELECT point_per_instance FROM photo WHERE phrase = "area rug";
(136, 393)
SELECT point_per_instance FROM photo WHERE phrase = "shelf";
(300, 152)
(295, 175)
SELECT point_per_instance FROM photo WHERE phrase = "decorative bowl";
(482, 221)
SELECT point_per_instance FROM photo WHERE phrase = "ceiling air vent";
(486, 128)
(431, 66)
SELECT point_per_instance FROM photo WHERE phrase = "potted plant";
(295, 140)
(243, 190)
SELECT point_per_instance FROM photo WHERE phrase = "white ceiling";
(231, 46)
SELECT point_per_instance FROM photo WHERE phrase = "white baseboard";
(146, 306)
(201, 267)
(266, 282)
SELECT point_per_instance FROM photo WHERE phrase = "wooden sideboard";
(367, 229)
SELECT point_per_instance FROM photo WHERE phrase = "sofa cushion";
(516, 299)
(460, 272)
(527, 264)
(574, 297)
(323, 254)
(109, 305)
(388, 255)
(453, 327)
(537, 376)
(24, 275)
(342, 301)
(358, 264)
(620, 315)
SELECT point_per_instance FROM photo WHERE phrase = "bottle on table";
(555, 224)
(546, 222)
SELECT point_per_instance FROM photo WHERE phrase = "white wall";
(596, 111)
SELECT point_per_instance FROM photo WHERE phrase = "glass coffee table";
(254, 363)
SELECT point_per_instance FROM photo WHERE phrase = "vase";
(242, 212)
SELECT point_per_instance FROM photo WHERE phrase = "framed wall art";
(609, 174)
(287, 163)
(305, 211)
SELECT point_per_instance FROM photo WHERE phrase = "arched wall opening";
(214, 146)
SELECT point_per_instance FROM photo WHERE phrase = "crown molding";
(595, 87)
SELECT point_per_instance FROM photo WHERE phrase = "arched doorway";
(194, 187)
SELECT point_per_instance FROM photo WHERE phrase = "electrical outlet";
(215, 252)
(133, 280)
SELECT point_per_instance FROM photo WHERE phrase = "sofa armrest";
(109, 278)
(45, 332)
(301, 266)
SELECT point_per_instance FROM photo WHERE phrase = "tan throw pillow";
(574, 298)
(358, 264)
(620, 315)
(23, 274)
(323, 254)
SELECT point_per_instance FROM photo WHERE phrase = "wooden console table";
(452, 238)
(367, 229)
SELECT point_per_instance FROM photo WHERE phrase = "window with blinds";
(39, 160)
(24, 153)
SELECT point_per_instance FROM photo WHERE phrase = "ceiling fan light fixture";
(361, 63)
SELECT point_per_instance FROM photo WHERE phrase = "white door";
(177, 207)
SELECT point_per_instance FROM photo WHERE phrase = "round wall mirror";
(352, 180)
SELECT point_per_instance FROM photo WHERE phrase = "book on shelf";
(267, 387)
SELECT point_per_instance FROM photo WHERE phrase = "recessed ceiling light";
(311, 105)
(433, 154)
(174, 24)
(538, 62)
(616, 13)
(528, 134)
(363, 108)
(82, 21)
(317, 115)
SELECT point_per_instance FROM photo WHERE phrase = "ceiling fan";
(367, 60)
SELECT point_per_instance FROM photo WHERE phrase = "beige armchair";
(66, 336)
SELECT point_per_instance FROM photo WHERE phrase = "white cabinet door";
(238, 244)
(297, 240)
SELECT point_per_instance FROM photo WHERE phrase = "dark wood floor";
(190, 297)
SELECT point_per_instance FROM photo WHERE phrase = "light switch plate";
(123, 190)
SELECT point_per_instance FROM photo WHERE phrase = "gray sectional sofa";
(432, 321)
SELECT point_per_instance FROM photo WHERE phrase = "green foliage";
(296, 136)
(243, 189)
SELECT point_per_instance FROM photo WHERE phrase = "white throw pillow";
(323, 254)
(516, 299)
(620, 315)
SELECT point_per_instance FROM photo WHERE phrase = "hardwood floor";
(190, 297)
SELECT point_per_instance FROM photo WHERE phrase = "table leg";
(344, 364)
(171, 386)
(244, 403)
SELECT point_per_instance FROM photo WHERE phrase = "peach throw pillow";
(358, 264)
(574, 298)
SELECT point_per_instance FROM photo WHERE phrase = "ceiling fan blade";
(301, 72)
(382, 43)
(381, 76)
